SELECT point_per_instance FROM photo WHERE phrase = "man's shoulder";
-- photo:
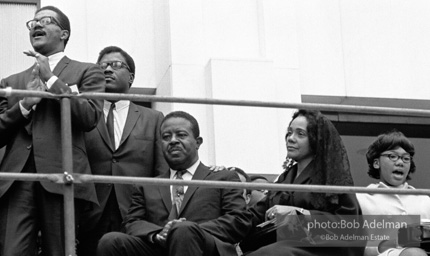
(146, 110)
(224, 175)
(77, 63)
(18, 75)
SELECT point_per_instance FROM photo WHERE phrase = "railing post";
(67, 155)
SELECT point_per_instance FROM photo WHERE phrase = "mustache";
(174, 148)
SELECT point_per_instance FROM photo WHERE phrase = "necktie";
(29, 126)
(110, 125)
(178, 193)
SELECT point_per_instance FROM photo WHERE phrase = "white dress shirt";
(188, 175)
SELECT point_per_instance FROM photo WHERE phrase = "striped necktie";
(178, 193)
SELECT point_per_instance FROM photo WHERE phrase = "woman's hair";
(388, 141)
(330, 164)
(312, 129)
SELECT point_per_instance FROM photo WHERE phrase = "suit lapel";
(132, 117)
(102, 129)
(62, 64)
(201, 173)
(166, 196)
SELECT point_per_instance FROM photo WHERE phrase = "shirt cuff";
(24, 111)
(51, 81)
(151, 237)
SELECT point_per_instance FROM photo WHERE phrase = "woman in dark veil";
(316, 156)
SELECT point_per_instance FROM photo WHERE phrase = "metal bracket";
(68, 178)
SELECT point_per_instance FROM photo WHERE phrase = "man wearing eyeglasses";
(132, 149)
(30, 128)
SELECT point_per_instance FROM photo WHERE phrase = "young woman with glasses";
(390, 160)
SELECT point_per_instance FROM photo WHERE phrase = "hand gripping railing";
(68, 178)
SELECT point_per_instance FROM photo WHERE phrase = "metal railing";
(68, 178)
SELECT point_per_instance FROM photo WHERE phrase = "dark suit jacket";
(46, 125)
(139, 154)
(219, 212)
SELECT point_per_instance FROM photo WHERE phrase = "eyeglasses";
(393, 157)
(45, 20)
(115, 65)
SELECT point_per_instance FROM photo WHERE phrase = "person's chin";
(396, 182)
(36, 46)
(175, 160)
(110, 87)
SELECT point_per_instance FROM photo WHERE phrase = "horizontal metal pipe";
(249, 103)
(84, 178)
(55, 178)
(247, 185)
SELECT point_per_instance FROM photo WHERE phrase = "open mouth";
(398, 174)
(38, 33)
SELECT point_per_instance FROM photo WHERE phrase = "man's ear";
(64, 34)
(199, 141)
(131, 79)
(376, 164)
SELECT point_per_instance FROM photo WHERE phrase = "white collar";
(55, 58)
(118, 105)
(402, 186)
(192, 169)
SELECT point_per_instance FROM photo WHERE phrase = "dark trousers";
(184, 239)
(96, 222)
(26, 209)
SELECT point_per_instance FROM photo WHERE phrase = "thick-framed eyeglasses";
(115, 65)
(393, 157)
(45, 20)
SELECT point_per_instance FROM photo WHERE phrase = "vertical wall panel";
(14, 37)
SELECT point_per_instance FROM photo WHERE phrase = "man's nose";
(37, 25)
(174, 139)
(108, 70)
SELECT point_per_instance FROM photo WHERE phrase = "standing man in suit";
(133, 150)
(181, 220)
(30, 128)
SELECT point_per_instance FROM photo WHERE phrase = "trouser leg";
(96, 223)
(187, 238)
(120, 244)
(18, 220)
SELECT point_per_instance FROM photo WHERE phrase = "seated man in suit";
(181, 220)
